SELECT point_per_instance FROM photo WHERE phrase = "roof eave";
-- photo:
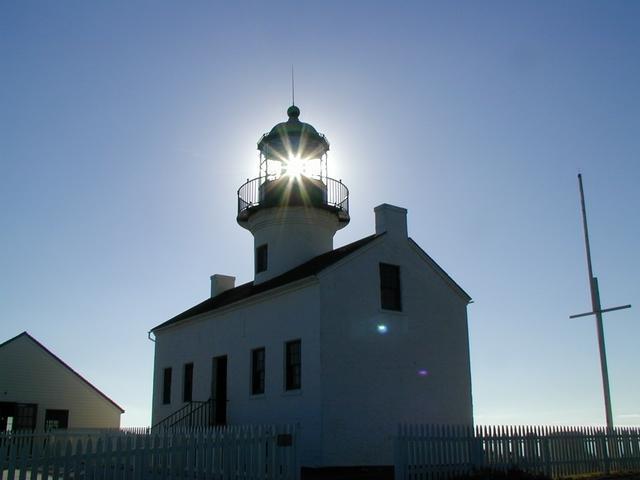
(342, 253)
(64, 364)
(295, 285)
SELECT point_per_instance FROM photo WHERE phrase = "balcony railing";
(252, 195)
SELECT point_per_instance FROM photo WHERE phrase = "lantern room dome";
(293, 138)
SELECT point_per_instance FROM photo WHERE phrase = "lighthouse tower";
(293, 209)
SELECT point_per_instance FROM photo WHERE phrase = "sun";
(294, 167)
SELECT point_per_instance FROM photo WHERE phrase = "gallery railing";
(250, 195)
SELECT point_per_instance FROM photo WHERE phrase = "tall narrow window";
(166, 386)
(293, 365)
(187, 383)
(390, 298)
(262, 257)
(25, 416)
(257, 371)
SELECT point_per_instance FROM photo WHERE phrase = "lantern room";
(293, 172)
(293, 208)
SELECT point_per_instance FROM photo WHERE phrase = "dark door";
(7, 416)
(219, 390)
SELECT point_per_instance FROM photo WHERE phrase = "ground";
(386, 473)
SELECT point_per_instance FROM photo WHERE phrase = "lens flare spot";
(382, 328)
(423, 372)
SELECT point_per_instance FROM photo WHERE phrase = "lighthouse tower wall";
(292, 236)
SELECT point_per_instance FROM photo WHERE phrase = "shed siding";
(29, 374)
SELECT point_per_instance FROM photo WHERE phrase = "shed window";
(262, 257)
(56, 419)
(390, 297)
(187, 384)
(166, 386)
(293, 365)
(257, 371)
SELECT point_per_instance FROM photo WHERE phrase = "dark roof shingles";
(246, 290)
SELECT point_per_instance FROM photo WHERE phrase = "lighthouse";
(292, 208)
(344, 342)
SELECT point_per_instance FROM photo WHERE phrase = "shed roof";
(65, 365)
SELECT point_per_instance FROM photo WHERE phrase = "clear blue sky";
(126, 128)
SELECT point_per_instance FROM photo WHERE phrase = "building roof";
(246, 290)
(60, 361)
(312, 267)
(293, 137)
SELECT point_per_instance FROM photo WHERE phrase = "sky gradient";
(127, 127)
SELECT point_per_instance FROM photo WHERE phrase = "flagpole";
(597, 309)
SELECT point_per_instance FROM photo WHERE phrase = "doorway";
(219, 390)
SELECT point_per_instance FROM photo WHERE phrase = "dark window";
(26, 416)
(262, 254)
(257, 371)
(56, 419)
(18, 416)
(187, 384)
(390, 298)
(166, 387)
(293, 365)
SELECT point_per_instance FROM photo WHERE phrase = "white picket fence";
(230, 453)
(427, 452)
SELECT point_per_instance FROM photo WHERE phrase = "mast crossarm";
(604, 310)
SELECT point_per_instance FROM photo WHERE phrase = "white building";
(39, 391)
(347, 343)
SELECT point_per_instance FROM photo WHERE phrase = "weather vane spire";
(293, 88)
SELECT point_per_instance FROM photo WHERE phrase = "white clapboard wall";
(248, 452)
(430, 452)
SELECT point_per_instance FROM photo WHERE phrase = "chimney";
(392, 220)
(221, 283)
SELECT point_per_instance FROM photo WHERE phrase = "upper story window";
(257, 371)
(390, 294)
(187, 383)
(262, 256)
(166, 386)
(293, 365)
